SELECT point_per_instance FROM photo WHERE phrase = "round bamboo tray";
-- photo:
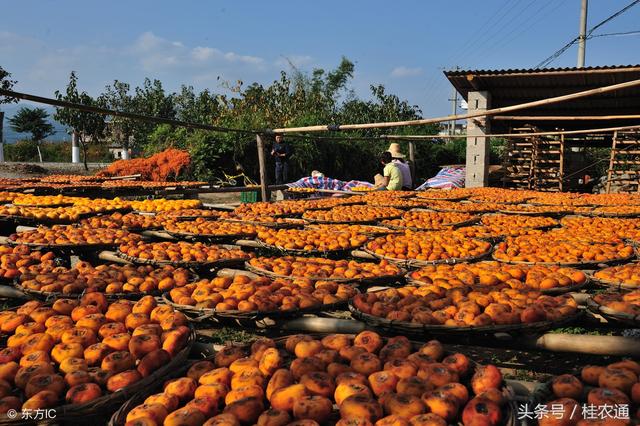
(613, 315)
(48, 206)
(415, 263)
(32, 221)
(119, 418)
(47, 296)
(612, 284)
(460, 198)
(583, 265)
(74, 247)
(348, 222)
(445, 226)
(204, 314)
(221, 263)
(274, 225)
(210, 237)
(370, 281)
(508, 410)
(420, 329)
(549, 291)
(307, 252)
(93, 412)
(612, 215)
(376, 231)
(524, 213)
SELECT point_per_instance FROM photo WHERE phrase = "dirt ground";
(26, 170)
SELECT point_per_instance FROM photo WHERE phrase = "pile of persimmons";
(262, 294)
(465, 306)
(180, 252)
(599, 394)
(311, 239)
(109, 278)
(362, 380)
(321, 268)
(210, 228)
(75, 351)
(72, 235)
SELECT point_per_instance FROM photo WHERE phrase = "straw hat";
(394, 149)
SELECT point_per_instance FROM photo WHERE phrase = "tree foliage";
(34, 121)
(6, 83)
(296, 98)
(90, 126)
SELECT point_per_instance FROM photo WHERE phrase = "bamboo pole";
(263, 168)
(486, 113)
(517, 135)
(564, 117)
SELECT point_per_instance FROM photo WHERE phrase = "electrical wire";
(620, 34)
(564, 48)
(510, 39)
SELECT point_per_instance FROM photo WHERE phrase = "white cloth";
(406, 173)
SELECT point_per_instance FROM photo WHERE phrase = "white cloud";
(148, 41)
(403, 71)
(203, 53)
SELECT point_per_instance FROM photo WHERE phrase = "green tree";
(89, 126)
(7, 84)
(34, 121)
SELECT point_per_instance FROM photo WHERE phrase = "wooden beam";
(517, 135)
(486, 113)
(564, 117)
(263, 168)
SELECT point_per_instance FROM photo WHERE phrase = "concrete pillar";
(75, 147)
(477, 145)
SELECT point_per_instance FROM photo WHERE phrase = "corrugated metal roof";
(539, 70)
(516, 86)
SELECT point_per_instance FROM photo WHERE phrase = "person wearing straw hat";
(399, 160)
(391, 178)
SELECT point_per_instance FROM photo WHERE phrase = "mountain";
(11, 136)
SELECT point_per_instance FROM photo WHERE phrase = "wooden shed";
(542, 162)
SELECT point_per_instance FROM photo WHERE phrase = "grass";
(581, 330)
(226, 335)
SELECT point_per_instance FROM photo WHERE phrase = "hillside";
(10, 136)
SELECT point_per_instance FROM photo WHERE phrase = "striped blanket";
(327, 183)
(447, 178)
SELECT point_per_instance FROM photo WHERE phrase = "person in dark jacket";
(281, 153)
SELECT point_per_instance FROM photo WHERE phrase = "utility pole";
(454, 111)
(454, 108)
(582, 38)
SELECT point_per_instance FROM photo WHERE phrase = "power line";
(532, 23)
(564, 48)
(435, 82)
(624, 33)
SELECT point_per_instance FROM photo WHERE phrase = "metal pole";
(582, 41)
(75, 148)
(454, 111)
(263, 168)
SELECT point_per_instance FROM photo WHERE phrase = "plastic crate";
(250, 196)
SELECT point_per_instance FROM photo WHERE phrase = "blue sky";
(402, 44)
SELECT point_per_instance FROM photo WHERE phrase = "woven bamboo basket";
(370, 281)
(95, 411)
